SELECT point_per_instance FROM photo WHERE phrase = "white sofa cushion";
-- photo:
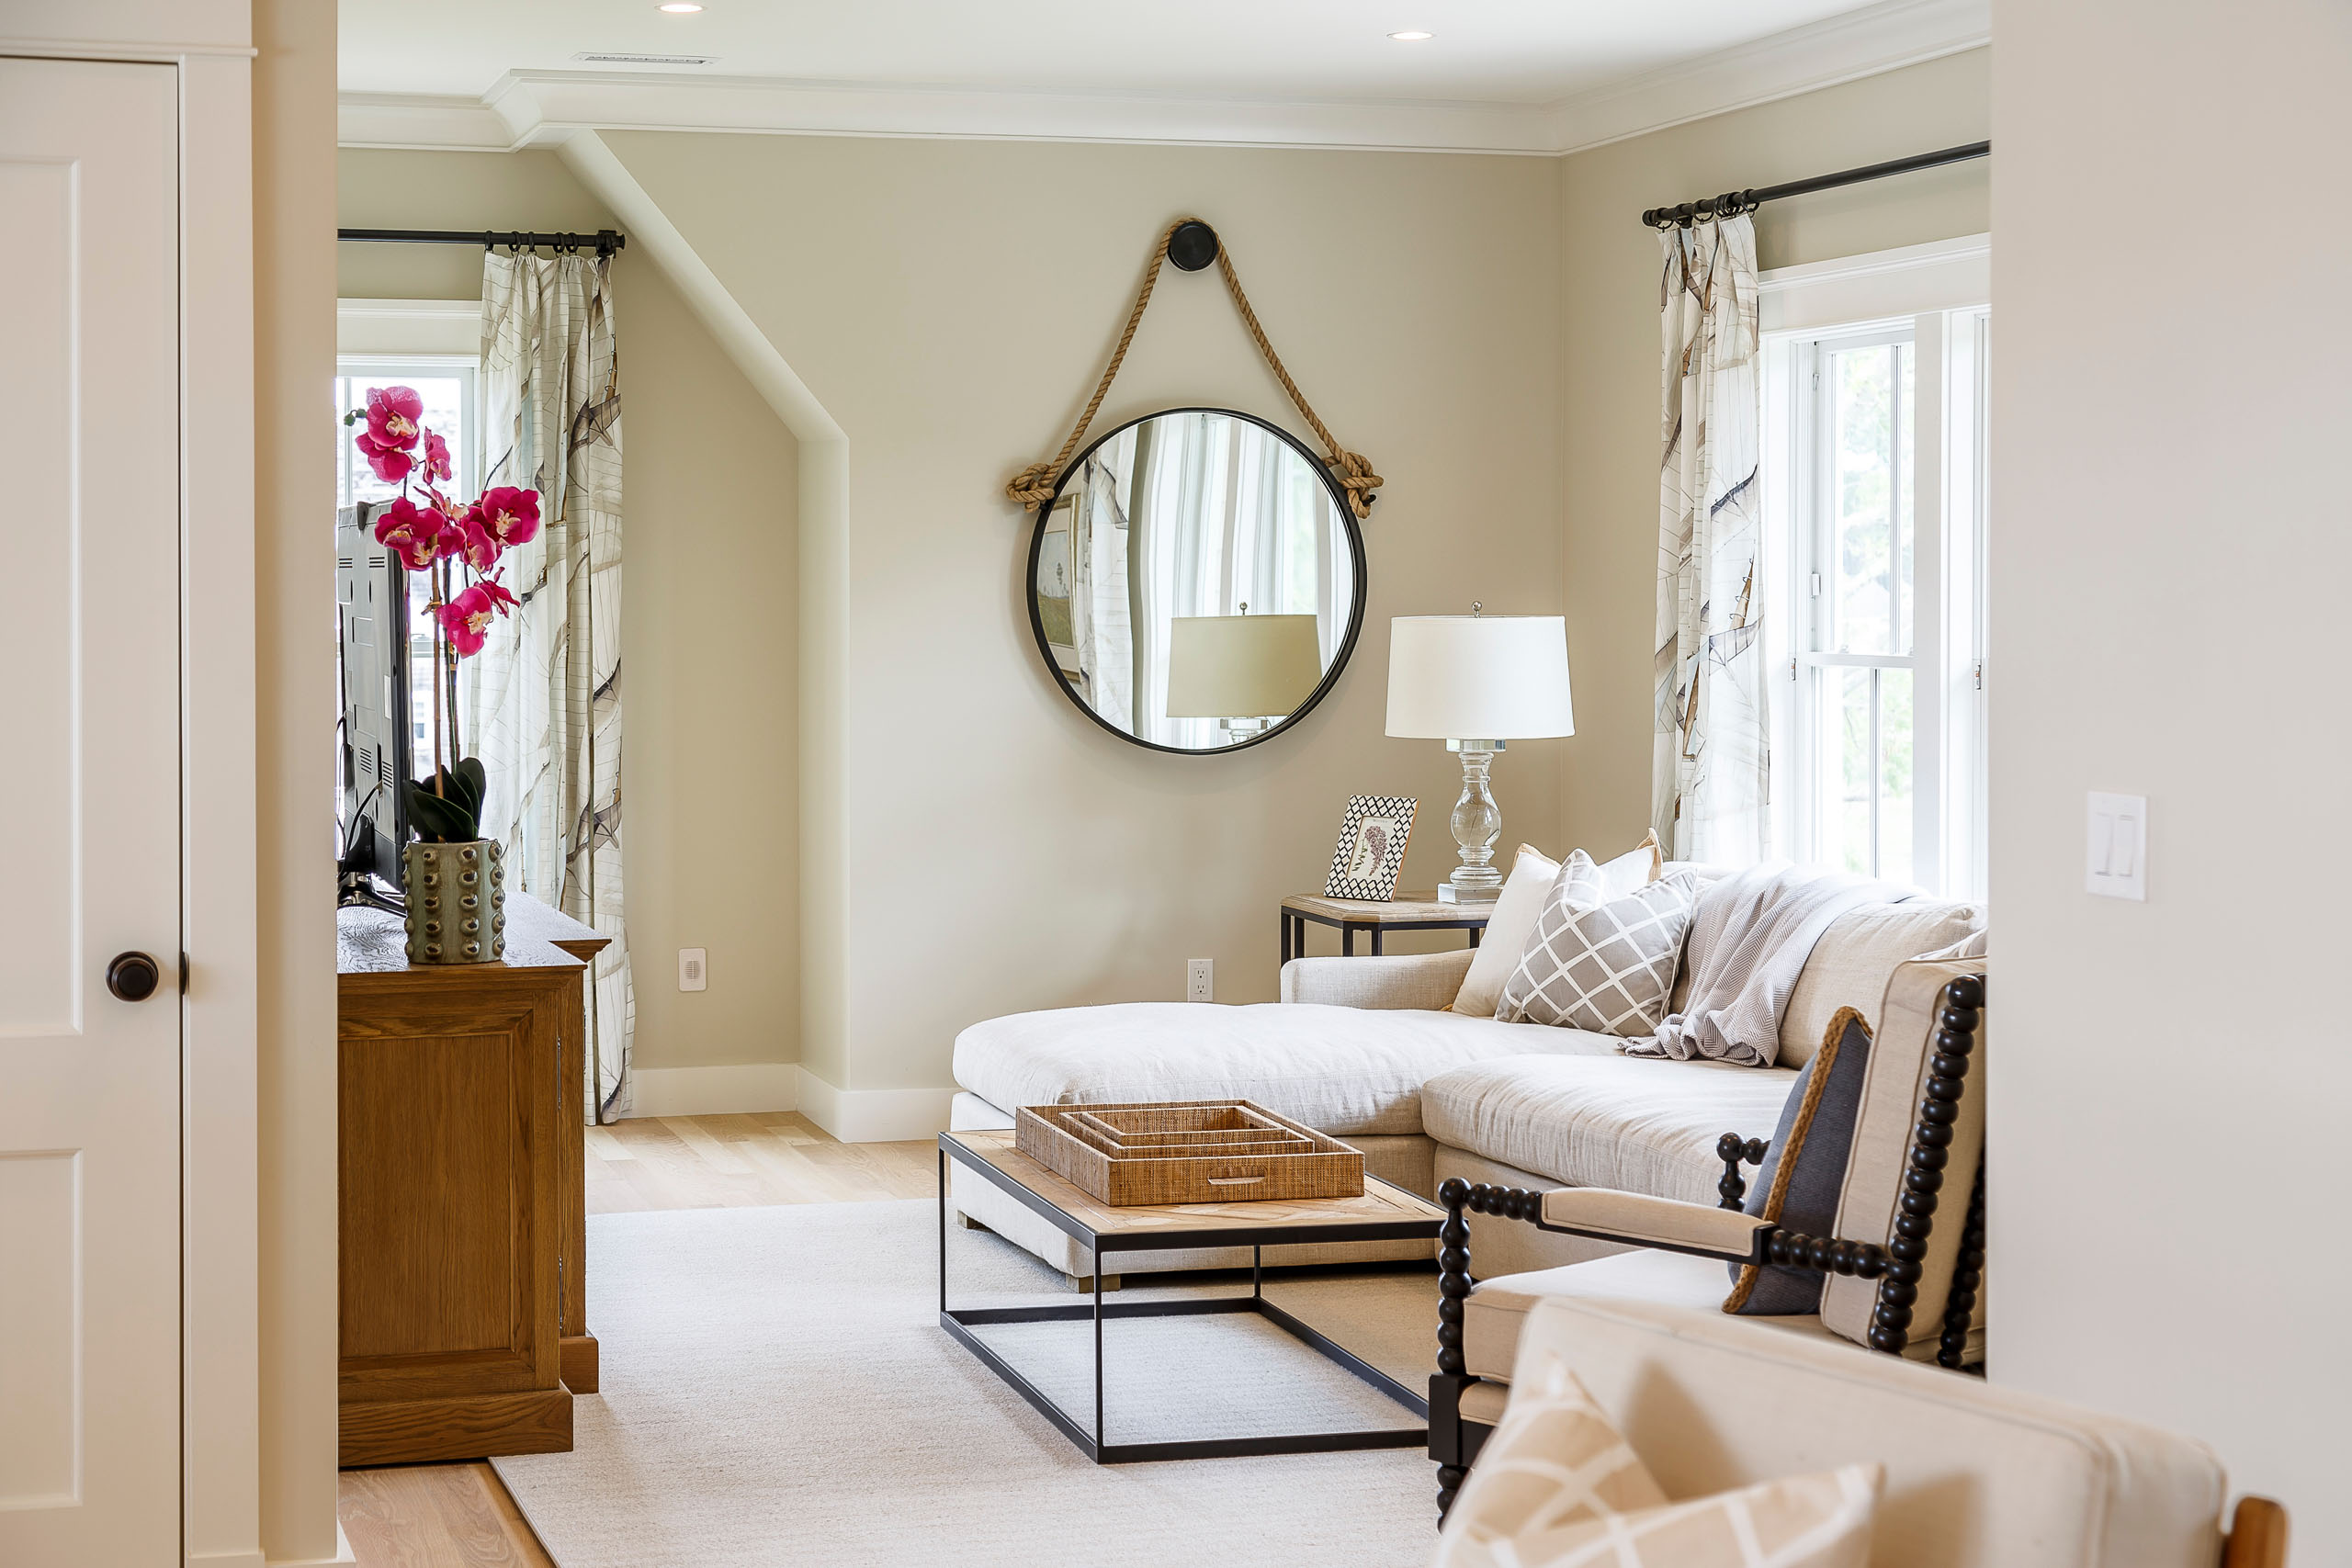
(1855, 957)
(1496, 1314)
(1341, 1070)
(1639, 1124)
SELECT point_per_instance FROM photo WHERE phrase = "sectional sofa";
(1369, 1050)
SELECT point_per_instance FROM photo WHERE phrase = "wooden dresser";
(464, 1329)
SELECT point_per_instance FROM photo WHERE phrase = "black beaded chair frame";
(1455, 1442)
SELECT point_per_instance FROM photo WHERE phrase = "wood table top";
(375, 941)
(1263, 1220)
(1405, 908)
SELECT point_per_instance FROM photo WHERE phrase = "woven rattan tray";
(1194, 1151)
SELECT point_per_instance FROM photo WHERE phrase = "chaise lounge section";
(1369, 1050)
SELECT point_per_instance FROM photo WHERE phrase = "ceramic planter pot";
(456, 901)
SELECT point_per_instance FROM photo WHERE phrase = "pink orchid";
(436, 457)
(510, 516)
(390, 463)
(481, 545)
(392, 415)
(412, 532)
(497, 593)
(466, 618)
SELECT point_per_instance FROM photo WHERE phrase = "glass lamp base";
(1448, 893)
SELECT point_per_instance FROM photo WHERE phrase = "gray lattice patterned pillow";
(1608, 968)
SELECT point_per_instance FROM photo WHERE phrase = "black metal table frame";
(1295, 923)
(960, 1321)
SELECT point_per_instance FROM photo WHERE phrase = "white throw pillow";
(1524, 890)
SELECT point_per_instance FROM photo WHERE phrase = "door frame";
(225, 846)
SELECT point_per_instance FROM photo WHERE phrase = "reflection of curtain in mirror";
(1180, 467)
(1286, 541)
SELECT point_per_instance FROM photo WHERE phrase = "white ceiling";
(1485, 50)
(1497, 74)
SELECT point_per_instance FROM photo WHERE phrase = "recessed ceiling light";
(1400, 37)
(680, 8)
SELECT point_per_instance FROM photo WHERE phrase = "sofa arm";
(1424, 980)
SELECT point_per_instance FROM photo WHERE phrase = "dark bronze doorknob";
(133, 976)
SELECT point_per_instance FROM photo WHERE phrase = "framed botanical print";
(1372, 846)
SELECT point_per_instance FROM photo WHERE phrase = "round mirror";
(1197, 582)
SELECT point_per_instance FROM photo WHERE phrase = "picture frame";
(1056, 568)
(1372, 838)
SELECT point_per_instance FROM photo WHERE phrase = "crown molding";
(1802, 59)
(526, 109)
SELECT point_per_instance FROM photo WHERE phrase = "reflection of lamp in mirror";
(1250, 672)
(1475, 681)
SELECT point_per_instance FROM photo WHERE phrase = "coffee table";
(1383, 1212)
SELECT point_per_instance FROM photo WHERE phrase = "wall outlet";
(1200, 980)
(693, 970)
(2116, 863)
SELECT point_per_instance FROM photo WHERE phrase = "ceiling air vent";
(646, 58)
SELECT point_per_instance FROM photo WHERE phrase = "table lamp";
(1252, 671)
(1475, 681)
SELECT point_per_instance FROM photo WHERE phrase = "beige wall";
(948, 303)
(1609, 273)
(2169, 546)
(708, 777)
(293, 771)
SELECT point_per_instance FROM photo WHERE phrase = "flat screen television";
(372, 658)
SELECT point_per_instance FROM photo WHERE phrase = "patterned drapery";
(543, 709)
(1709, 780)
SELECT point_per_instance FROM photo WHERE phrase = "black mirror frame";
(1356, 610)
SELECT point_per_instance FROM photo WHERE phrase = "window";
(446, 385)
(1874, 509)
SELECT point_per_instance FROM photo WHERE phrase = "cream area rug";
(777, 1389)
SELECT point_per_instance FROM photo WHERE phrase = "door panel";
(89, 811)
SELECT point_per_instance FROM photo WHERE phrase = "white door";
(89, 809)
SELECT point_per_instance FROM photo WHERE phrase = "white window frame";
(1937, 299)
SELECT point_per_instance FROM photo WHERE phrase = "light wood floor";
(458, 1515)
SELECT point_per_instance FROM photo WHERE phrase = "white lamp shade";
(1241, 666)
(1478, 677)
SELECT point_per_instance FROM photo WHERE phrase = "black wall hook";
(1192, 246)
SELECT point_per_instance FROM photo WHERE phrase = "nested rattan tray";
(1193, 1150)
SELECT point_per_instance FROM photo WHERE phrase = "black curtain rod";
(603, 242)
(1731, 203)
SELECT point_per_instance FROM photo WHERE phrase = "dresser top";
(373, 942)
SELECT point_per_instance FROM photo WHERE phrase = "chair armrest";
(1645, 1221)
(1423, 980)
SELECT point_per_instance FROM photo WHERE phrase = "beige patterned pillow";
(1557, 1487)
(1554, 1461)
(1608, 967)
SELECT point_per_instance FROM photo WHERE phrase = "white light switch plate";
(1200, 980)
(693, 970)
(2116, 852)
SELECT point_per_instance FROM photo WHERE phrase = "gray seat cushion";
(1341, 1070)
(1634, 1124)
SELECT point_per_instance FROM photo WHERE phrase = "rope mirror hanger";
(1191, 245)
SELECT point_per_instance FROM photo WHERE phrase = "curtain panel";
(1710, 777)
(543, 707)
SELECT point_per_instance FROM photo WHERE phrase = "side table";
(1406, 913)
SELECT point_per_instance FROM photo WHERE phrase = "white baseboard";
(344, 1556)
(852, 1115)
(874, 1115)
(715, 1091)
